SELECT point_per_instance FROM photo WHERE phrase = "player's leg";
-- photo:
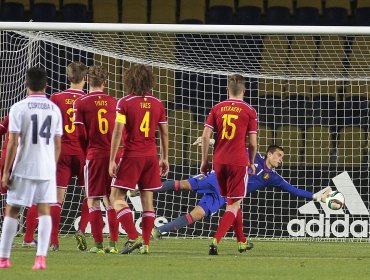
(55, 212)
(9, 230)
(149, 181)
(44, 233)
(44, 195)
(128, 174)
(233, 182)
(95, 189)
(195, 215)
(147, 219)
(63, 175)
(125, 218)
(97, 224)
(243, 244)
(31, 224)
(80, 233)
(113, 227)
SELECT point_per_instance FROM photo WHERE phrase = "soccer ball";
(335, 200)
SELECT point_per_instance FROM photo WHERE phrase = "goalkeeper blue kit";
(211, 201)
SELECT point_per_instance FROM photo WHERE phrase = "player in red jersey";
(72, 159)
(96, 112)
(232, 119)
(31, 217)
(138, 116)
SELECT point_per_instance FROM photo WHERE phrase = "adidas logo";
(326, 226)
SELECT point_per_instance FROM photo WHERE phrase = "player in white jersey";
(35, 129)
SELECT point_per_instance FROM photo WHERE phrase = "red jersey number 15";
(228, 122)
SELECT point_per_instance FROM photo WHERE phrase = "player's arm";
(164, 165)
(285, 186)
(206, 136)
(252, 151)
(57, 147)
(4, 126)
(115, 142)
(10, 156)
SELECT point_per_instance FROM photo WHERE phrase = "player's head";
(236, 85)
(36, 79)
(97, 76)
(76, 72)
(274, 156)
(139, 79)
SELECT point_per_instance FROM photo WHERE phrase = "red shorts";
(232, 179)
(68, 166)
(143, 171)
(98, 180)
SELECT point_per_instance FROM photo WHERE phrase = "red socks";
(238, 227)
(55, 210)
(147, 225)
(84, 216)
(97, 223)
(225, 223)
(112, 223)
(124, 216)
(31, 224)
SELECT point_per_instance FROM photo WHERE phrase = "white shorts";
(25, 192)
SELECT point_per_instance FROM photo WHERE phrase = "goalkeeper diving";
(211, 202)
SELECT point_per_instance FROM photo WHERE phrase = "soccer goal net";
(309, 85)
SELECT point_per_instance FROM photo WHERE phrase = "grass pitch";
(189, 259)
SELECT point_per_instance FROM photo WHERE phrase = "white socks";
(43, 235)
(9, 231)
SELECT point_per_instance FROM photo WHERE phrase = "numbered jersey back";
(38, 121)
(232, 119)
(64, 100)
(141, 116)
(97, 112)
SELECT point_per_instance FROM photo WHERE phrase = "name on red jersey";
(145, 105)
(231, 109)
(101, 103)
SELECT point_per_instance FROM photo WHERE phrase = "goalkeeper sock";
(84, 216)
(97, 223)
(225, 223)
(55, 219)
(112, 223)
(170, 186)
(31, 224)
(124, 216)
(176, 224)
(238, 227)
(147, 225)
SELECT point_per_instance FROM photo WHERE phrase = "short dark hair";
(76, 71)
(36, 79)
(97, 75)
(272, 148)
(236, 83)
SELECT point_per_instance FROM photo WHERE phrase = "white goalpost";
(310, 86)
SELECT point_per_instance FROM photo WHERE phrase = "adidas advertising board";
(352, 222)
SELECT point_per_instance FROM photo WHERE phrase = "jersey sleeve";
(279, 182)
(4, 125)
(121, 112)
(162, 116)
(210, 122)
(77, 111)
(14, 120)
(59, 126)
(253, 123)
